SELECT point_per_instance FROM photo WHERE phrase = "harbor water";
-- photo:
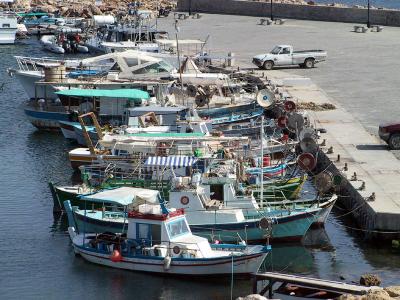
(37, 260)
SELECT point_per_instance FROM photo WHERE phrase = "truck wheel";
(309, 63)
(268, 65)
(394, 141)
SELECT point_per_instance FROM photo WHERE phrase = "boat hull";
(284, 229)
(7, 35)
(45, 120)
(67, 130)
(242, 265)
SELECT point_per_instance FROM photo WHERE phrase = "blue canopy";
(173, 161)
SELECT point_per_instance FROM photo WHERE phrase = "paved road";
(362, 72)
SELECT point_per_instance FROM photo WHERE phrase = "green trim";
(117, 93)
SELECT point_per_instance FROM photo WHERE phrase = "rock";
(370, 280)
(378, 295)
(252, 297)
(393, 291)
(94, 9)
(351, 297)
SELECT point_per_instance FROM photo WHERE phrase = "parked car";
(390, 133)
(283, 55)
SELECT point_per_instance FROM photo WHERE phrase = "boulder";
(393, 291)
(379, 294)
(370, 280)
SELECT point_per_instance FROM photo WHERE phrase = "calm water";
(37, 261)
(391, 4)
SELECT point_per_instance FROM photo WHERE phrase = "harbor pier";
(327, 286)
(370, 172)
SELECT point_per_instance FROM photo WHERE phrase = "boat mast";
(262, 161)
(177, 53)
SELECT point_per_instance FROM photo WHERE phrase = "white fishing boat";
(51, 44)
(8, 27)
(160, 241)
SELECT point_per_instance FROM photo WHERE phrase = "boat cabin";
(109, 105)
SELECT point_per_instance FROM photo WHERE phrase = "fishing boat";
(8, 27)
(108, 104)
(208, 218)
(158, 240)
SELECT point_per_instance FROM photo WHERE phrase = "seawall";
(292, 11)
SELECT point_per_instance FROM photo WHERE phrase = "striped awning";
(173, 161)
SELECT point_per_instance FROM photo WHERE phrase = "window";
(6, 25)
(285, 51)
(177, 228)
(276, 50)
(143, 231)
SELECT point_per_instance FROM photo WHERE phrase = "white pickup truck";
(283, 55)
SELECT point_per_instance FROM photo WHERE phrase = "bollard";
(330, 150)
(345, 167)
(362, 187)
(338, 158)
(372, 197)
(354, 177)
(323, 143)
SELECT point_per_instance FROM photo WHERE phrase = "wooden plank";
(334, 286)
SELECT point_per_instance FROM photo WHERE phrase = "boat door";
(217, 192)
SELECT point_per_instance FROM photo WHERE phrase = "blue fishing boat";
(109, 105)
(206, 217)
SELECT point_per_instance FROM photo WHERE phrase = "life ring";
(265, 224)
(184, 200)
(176, 250)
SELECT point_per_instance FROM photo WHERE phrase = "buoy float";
(116, 256)
(290, 106)
(266, 161)
(306, 161)
(282, 122)
(184, 200)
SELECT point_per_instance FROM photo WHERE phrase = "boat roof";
(172, 43)
(156, 217)
(117, 93)
(123, 196)
(32, 14)
(167, 134)
(158, 110)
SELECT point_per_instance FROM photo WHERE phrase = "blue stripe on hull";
(290, 228)
(45, 119)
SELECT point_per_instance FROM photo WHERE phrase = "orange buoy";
(116, 256)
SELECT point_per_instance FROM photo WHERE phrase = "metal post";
(190, 8)
(272, 16)
(368, 20)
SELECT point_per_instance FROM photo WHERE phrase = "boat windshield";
(177, 228)
(276, 50)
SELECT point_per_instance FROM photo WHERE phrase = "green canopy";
(32, 14)
(118, 93)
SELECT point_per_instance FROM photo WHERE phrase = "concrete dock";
(377, 169)
(360, 78)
